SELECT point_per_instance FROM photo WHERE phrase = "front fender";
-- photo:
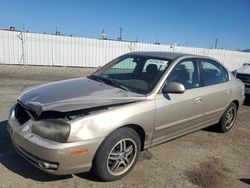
(103, 123)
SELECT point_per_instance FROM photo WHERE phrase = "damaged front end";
(60, 111)
(56, 126)
(52, 126)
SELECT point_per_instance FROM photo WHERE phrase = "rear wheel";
(228, 118)
(117, 155)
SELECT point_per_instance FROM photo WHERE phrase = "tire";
(117, 155)
(228, 118)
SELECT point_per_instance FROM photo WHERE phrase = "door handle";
(198, 99)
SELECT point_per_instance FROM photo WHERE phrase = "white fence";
(42, 49)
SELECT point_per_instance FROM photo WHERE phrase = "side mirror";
(173, 87)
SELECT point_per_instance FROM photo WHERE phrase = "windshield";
(138, 74)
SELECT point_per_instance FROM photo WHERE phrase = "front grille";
(21, 114)
(244, 77)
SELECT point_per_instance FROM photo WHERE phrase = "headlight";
(55, 130)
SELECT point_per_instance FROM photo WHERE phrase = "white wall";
(43, 49)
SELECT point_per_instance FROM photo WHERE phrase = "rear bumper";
(52, 157)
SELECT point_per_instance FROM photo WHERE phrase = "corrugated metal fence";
(42, 49)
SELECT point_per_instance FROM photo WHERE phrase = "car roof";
(163, 55)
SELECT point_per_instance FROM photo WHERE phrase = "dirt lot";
(201, 159)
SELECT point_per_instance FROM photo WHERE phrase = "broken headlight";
(56, 130)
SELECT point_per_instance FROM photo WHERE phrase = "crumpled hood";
(244, 70)
(75, 94)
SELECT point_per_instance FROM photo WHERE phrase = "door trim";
(178, 122)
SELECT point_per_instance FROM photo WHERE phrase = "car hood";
(75, 94)
(244, 70)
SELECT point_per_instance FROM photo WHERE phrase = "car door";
(178, 114)
(217, 91)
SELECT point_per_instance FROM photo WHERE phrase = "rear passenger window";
(213, 73)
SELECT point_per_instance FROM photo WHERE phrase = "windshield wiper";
(96, 78)
(120, 85)
(109, 81)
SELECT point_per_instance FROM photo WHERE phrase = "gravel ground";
(201, 159)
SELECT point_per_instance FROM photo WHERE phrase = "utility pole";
(156, 41)
(120, 37)
(104, 35)
(21, 37)
(23, 28)
(216, 42)
(57, 32)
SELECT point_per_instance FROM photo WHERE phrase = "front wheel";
(117, 155)
(228, 118)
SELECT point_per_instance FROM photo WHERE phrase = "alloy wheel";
(121, 157)
(230, 117)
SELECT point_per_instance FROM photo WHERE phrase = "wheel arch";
(140, 131)
(137, 128)
(236, 103)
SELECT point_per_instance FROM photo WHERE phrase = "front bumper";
(50, 156)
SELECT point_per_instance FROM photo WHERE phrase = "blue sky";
(193, 23)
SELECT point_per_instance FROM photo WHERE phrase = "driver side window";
(186, 73)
